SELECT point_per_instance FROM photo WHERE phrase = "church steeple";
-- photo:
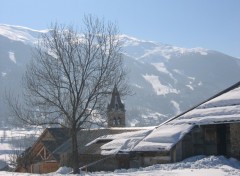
(116, 110)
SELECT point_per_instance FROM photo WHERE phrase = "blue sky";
(211, 24)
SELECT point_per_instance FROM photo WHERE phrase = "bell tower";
(116, 110)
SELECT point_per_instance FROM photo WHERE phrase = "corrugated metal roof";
(86, 136)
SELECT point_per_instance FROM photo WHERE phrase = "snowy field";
(13, 141)
(195, 166)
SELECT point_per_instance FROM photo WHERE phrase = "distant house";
(40, 158)
(210, 128)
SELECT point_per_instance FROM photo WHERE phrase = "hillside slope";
(166, 79)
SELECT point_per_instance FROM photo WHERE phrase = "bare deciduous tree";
(70, 76)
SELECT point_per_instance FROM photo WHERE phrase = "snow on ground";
(12, 56)
(13, 141)
(5, 152)
(194, 166)
(19, 132)
(197, 166)
(159, 88)
(162, 68)
(190, 87)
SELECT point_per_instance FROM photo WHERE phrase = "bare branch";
(70, 75)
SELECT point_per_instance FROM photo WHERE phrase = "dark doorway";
(222, 139)
(123, 161)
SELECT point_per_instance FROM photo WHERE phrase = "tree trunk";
(75, 160)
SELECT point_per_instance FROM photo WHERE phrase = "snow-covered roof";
(154, 139)
(163, 138)
(221, 108)
(121, 142)
(124, 142)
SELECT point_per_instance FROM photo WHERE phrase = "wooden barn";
(40, 158)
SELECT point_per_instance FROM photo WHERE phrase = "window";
(114, 121)
(210, 135)
(116, 106)
(116, 103)
(119, 121)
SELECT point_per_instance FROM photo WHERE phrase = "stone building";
(209, 128)
(209, 139)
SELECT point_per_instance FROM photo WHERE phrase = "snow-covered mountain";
(166, 79)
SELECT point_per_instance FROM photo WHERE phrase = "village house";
(40, 158)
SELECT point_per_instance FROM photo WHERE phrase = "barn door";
(221, 139)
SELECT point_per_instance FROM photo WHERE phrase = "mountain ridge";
(166, 79)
